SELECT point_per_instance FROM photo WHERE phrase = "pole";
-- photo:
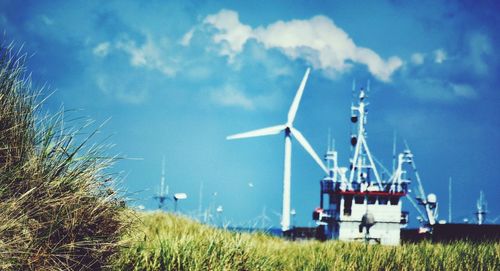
(394, 152)
(162, 182)
(449, 200)
(285, 218)
(200, 199)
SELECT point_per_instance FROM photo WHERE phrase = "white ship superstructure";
(355, 202)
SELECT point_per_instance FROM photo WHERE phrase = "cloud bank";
(318, 41)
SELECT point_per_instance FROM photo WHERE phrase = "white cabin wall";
(387, 227)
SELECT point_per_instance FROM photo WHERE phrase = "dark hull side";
(454, 232)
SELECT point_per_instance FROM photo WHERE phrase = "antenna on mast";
(362, 163)
(329, 139)
(394, 151)
(354, 118)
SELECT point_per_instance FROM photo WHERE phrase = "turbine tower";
(482, 207)
(163, 193)
(289, 130)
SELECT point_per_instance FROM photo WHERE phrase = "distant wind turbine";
(163, 193)
(289, 130)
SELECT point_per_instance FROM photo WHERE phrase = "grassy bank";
(168, 242)
(58, 209)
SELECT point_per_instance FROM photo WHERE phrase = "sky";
(174, 78)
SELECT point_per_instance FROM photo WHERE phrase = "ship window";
(372, 199)
(334, 199)
(327, 185)
(382, 200)
(394, 200)
(347, 205)
(355, 186)
(359, 199)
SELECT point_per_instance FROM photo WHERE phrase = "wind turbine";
(289, 130)
(163, 193)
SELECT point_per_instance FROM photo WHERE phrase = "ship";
(357, 203)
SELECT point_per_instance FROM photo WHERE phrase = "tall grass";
(57, 211)
(167, 242)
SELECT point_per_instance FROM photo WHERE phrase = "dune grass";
(57, 209)
(168, 242)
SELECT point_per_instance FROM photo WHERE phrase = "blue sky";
(177, 77)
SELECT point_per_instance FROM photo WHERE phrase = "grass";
(168, 242)
(58, 210)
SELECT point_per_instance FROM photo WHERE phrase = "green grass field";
(168, 242)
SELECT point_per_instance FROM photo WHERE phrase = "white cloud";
(198, 72)
(317, 40)
(102, 49)
(186, 39)
(417, 58)
(439, 56)
(137, 54)
(462, 90)
(121, 89)
(457, 79)
(480, 48)
(437, 89)
(148, 55)
(232, 34)
(46, 20)
(229, 95)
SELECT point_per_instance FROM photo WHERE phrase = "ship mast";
(362, 163)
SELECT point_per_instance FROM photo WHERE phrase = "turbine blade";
(302, 140)
(259, 132)
(295, 104)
